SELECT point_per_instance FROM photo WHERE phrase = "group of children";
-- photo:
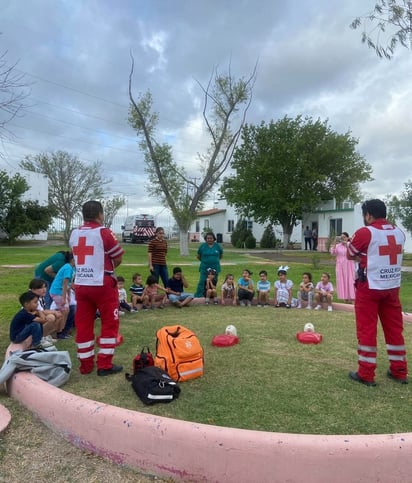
(307, 294)
(46, 324)
(151, 294)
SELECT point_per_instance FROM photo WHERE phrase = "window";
(230, 225)
(197, 229)
(250, 225)
(335, 226)
(206, 224)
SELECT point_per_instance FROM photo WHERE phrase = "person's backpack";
(179, 353)
(53, 367)
(153, 385)
(143, 359)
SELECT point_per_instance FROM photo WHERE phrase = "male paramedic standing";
(97, 253)
(379, 248)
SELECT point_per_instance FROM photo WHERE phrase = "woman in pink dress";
(345, 270)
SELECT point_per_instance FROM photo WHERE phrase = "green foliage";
(285, 168)
(71, 183)
(268, 239)
(239, 233)
(390, 20)
(250, 241)
(402, 207)
(20, 217)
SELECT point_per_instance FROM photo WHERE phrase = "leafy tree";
(71, 183)
(111, 206)
(390, 26)
(18, 216)
(224, 97)
(12, 94)
(401, 206)
(288, 167)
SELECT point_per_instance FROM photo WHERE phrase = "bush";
(239, 233)
(268, 239)
(250, 242)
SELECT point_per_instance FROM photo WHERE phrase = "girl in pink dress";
(345, 270)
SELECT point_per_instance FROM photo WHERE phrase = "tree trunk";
(184, 245)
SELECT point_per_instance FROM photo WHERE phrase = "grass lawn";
(267, 382)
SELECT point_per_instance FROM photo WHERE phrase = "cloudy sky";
(75, 55)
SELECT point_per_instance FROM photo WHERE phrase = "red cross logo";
(392, 249)
(82, 250)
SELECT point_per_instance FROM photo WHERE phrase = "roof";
(213, 211)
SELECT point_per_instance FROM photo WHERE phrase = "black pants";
(243, 294)
(308, 243)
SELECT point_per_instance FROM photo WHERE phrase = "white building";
(329, 219)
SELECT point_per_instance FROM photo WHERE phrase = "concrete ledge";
(195, 452)
(188, 451)
(5, 418)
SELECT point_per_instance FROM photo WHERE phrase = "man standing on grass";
(97, 253)
(378, 247)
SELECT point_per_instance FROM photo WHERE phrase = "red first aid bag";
(225, 340)
(309, 337)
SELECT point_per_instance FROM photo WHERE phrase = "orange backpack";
(179, 353)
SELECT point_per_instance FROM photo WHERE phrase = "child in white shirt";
(283, 289)
(324, 292)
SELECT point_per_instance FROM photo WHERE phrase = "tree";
(286, 168)
(71, 183)
(268, 239)
(12, 94)
(401, 207)
(18, 216)
(391, 17)
(111, 206)
(224, 96)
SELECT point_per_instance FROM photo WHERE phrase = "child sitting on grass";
(29, 321)
(176, 289)
(263, 289)
(246, 290)
(210, 287)
(283, 289)
(305, 292)
(324, 292)
(124, 306)
(136, 291)
(151, 294)
(229, 289)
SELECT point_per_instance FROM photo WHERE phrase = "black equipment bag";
(153, 385)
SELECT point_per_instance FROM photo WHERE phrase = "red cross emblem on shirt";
(392, 249)
(82, 250)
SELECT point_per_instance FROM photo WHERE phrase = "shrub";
(268, 239)
(250, 241)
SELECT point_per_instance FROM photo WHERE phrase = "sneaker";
(330, 308)
(113, 370)
(134, 309)
(216, 302)
(207, 302)
(50, 339)
(259, 305)
(242, 303)
(318, 307)
(298, 306)
(287, 306)
(355, 377)
(44, 343)
(144, 307)
(63, 336)
(401, 380)
(121, 312)
(266, 306)
(308, 307)
(249, 303)
(161, 306)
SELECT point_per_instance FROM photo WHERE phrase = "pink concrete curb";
(5, 418)
(188, 451)
(196, 452)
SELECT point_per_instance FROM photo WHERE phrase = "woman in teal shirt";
(209, 254)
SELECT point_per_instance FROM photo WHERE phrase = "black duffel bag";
(153, 385)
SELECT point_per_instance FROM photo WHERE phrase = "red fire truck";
(138, 228)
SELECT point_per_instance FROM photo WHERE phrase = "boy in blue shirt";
(263, 289)
(28, 321)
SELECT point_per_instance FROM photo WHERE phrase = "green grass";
(267, 382)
